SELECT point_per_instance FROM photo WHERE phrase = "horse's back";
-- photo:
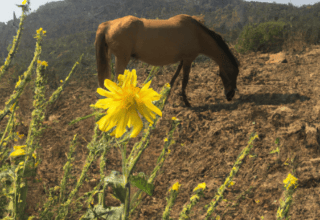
(157, 42)
(119, 25)
(179, 22)
(173, 39)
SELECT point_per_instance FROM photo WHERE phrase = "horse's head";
(229, 94)
(229, 79)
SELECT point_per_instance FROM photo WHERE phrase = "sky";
(8, 6)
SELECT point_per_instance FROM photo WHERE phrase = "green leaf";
(110, 213)
(141, 183)
(115, 180)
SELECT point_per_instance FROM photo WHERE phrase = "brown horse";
(162, 42)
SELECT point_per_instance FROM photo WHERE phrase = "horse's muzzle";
(229, 94)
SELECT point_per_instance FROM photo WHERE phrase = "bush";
(263, 37)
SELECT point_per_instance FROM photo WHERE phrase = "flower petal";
(104, 123)
(122, 123)
(137, 124)
(103, 92)
(112, 86)
(153, 108)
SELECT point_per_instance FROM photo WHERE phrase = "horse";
(161, 42)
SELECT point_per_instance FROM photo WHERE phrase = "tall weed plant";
(117, 121)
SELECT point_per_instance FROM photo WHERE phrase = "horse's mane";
(220, 42)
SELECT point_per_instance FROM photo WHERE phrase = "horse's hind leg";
(121, 64)
(186, 71)
(176, 74)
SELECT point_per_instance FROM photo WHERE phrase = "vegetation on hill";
(71, 26)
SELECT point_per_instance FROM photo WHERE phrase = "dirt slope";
(276, 98)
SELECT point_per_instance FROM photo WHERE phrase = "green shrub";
(263, 37)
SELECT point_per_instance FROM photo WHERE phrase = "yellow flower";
(61, 80)
(36, 164)
(166, 139)
(24, 2)
(290, 181)
(19, 147)
(122, 77)
(11, 109)
(231, 184)
(194, 197)
(18, 151)
(39, 30)
(19, 81)
(176, 186)
(44, 63)
(123, 103)
(200, 186)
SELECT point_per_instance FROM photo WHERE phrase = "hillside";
(69, 17)
(276, 98)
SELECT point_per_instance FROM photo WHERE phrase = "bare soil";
(276, 99)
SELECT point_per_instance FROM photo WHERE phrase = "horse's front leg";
(186, 71)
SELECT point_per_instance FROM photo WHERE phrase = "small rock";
(277, 58)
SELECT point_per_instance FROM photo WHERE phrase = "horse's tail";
(102, 55)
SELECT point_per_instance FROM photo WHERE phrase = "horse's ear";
(199, 18)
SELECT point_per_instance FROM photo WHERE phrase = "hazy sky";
(8, 6)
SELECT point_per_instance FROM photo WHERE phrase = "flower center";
(130, 96)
